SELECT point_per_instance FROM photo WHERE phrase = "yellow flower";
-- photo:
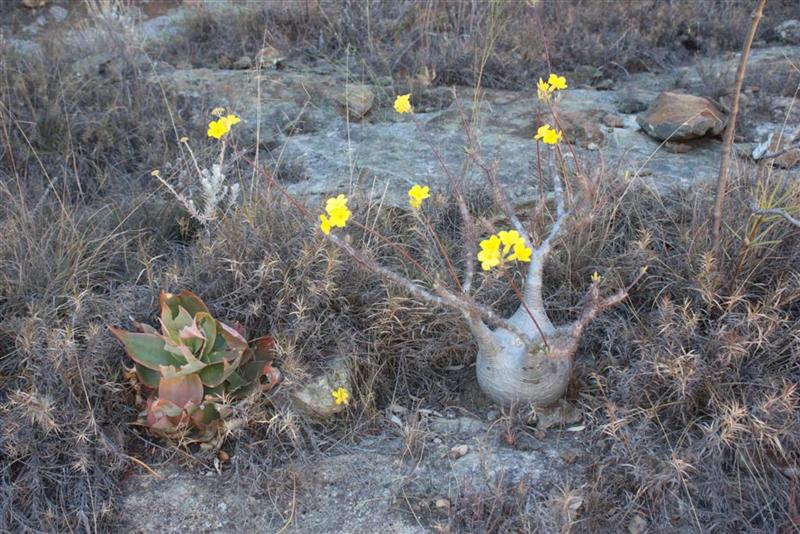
(341, 395)
(548, 135)
(489, 255)
(325, 224)
(509, 239)
(335, 202)
(184, 139)
(544, 90)
(218, 128)
(156, 173)
(417, 194)
(231, 119)
(521, 252)
(595, 277)
(557, 82)
(338, 214)
(402, 104)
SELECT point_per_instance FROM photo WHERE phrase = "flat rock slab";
(300, 120)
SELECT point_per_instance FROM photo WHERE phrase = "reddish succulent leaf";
(185, 299)
(181, 390)
(233, 339)
(263, 348)
(273, 375)
(146, 349)
(205, 415)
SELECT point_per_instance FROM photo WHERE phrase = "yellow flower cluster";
(337, 214)
(548, 135)
(501, 247)
(553, 84)
(402, 104)
(341, 395)
(417, 194)
(218, 128)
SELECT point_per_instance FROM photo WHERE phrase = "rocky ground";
(328, 133)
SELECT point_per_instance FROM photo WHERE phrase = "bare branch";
(596, 304)
(491, 175)
(561, 211)
(727, 143)
(774, 211)
(470, 246)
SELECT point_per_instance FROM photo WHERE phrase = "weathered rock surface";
(372, 486)
(679, 117)
(789, 31)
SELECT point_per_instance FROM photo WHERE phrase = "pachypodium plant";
(194, 367)
(524, 357)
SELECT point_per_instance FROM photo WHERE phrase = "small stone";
(492, 415)
(637, 525)
(606, 84)
(269, 57)
(789, 31)
(459, 451)
(561, 413)
(316, 399)
(442, 503)
(243, 63)
(58, 13)
(613, 121)
(569, 456)
(582, 128)
(356, 99)
(679, 117)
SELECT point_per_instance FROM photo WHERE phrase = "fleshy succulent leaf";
(148, 377)
(208, 326)
(174, 323)
(233, 339)
(185, 299)
(148, 350)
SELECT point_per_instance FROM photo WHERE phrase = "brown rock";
(582, 128)
(459, 451)
(679, 117)
(613, 121)
(561, 413)
(269, 56)
(356, 99)
(243, 63)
